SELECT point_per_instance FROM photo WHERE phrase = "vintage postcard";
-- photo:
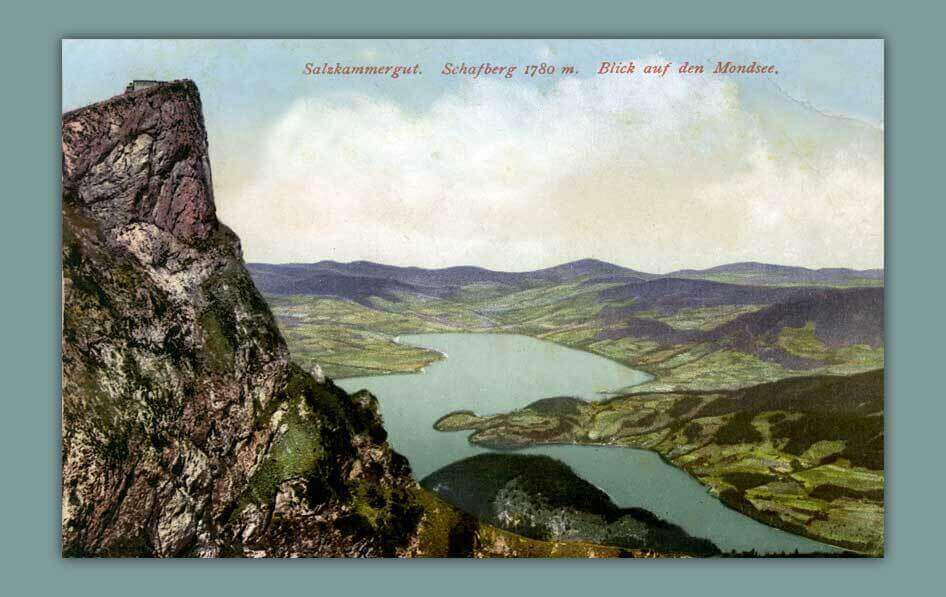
(473, 298)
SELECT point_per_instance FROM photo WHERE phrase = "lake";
(496, 373)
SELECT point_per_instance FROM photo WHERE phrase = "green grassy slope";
(802, 454)
(677, 345)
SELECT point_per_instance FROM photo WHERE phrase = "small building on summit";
(140, 84)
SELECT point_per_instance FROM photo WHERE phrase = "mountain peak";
(160, 177)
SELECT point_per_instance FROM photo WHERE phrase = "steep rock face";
(186, 430)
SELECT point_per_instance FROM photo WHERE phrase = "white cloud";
(650, 173)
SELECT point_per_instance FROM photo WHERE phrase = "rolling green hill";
(690, 334)
(805, 454)
(769, 391)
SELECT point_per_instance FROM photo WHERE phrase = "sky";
(651, 172)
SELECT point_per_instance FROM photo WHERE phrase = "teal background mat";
(30, 158)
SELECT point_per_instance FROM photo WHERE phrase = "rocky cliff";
(186, 430)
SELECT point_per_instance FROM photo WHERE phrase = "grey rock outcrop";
(186, 429)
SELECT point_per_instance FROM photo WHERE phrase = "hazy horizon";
(514, 271)
(520, 174)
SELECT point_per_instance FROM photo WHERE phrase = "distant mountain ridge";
(755, 272)
(460, 274)
(359, 280)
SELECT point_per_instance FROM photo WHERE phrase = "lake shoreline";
(402, 395)
(752, 514)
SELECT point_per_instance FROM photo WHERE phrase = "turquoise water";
(495, 373)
